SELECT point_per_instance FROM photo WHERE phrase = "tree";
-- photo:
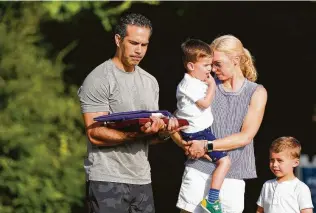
(41, 136)
(105, 10)
(41, 131)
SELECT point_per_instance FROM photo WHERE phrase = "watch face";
(210, 146)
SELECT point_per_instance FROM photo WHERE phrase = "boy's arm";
(165, 134)
(260, 210)
(310, 210)
(176, 137)
(205, 102)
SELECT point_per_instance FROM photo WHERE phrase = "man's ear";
(117, 38)
(190, 66)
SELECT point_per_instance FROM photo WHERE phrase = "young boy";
(194, 95)
(286, 193)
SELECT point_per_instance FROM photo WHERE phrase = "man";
(117, 167)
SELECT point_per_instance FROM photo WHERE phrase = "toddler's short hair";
(290, 144)
(193, 50)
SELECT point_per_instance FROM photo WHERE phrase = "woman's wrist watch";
(208, 146)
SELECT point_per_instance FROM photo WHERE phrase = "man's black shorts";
(111, 197)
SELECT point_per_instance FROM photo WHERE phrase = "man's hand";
(173, 125)
(155, 125)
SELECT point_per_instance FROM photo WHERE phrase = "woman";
(238, 108)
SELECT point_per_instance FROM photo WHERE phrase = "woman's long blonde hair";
(232, 46)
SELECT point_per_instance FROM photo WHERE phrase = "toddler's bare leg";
(222, 167)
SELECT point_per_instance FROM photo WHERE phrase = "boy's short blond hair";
(193, 50)
(290, 144)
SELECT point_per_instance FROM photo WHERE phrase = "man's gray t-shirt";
(109, 89)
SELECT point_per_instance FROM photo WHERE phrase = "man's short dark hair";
(132, 19)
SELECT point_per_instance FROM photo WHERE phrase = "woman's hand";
(197, 149)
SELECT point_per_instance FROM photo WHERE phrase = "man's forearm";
(102, 136)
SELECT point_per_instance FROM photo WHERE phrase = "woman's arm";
(251, 124)
(249, 129)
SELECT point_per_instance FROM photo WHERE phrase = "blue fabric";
(121, 116)
(213, 195)
(205, 134)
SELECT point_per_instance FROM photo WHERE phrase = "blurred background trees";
(41, 128)
(42, 141)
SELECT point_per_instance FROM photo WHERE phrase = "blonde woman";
(238, 108)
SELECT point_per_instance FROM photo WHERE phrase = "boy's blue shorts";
(205, 134)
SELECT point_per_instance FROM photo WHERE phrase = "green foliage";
(107, 13)
(42, 143)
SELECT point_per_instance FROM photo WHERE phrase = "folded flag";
(121, 116)
(132, 119)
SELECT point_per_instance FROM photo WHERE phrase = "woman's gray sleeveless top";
(229, 110)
